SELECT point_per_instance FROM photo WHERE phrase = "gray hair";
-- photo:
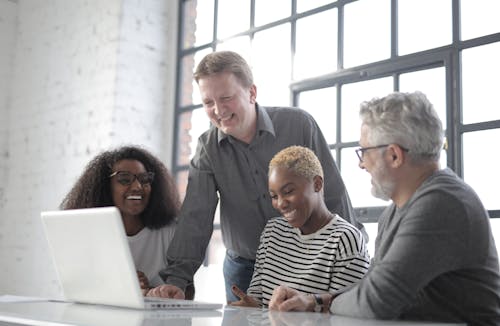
(406, 119)
(225, 61)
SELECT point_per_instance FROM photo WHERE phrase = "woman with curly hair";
(140, 186)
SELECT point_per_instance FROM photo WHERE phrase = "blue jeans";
(237, 271)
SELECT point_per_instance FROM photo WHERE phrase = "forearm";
(422, 248)
(188, 247)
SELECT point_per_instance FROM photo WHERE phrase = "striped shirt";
(327, 260)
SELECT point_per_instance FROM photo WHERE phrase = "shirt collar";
(264, 124)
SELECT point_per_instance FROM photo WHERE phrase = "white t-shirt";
(149, 251)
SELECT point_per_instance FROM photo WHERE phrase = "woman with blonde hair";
(307, 248)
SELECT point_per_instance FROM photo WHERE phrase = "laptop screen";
(92, 257)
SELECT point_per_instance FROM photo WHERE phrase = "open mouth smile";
(289, 214)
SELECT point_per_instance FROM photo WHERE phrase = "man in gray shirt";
(435, 256)
(230, 165)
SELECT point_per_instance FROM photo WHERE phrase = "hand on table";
(166, 291)
(144, 282)
(245, 300)
(288, 299)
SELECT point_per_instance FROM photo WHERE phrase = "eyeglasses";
(126, 178)
(361, 150)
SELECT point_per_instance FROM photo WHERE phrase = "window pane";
(233, 17)
(216, 250)
(371, 230)
(423, 25)
(352, 96)
(209, 280)
(432, 83)
(443, 159)
(480, 80)
(472, 11)
(191, 125)
(268, 11)
(240, 45)
(198, 22)
(189, 93)
(271, 69)
(367, 32)
(316, 50)
(199, 124)
(305, 5)
(321, 104)
(358, 181)
(477, 150)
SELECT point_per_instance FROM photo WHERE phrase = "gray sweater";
(435, 259)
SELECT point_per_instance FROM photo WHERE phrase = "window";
(328, 56)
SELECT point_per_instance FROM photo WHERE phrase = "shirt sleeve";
(255, 288)
(425, 244)
(351, 262)
(187, 249)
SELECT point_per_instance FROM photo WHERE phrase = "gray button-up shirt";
(235, 173)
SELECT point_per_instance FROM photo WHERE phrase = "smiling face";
(229, 106)
(130, 199)
(296, 198)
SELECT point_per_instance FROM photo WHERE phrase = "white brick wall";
(8, 15)
(86, 75)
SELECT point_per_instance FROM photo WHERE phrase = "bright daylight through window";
(328, 56)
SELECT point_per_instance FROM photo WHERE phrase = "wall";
(144, 51)
(85, 75)
(8, 15)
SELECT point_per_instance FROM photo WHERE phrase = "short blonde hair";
(300, 160)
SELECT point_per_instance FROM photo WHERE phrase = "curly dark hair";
(93, 187)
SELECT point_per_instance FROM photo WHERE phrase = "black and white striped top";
(325, 261)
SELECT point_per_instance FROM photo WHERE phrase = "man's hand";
(288, 299)
(245, 300)
(144, 282)
(166, 291)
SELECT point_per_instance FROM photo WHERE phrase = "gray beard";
(382, 189)
(381, 192)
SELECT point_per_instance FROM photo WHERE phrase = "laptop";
(91, 254)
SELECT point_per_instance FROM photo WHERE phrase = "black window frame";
(448, 56)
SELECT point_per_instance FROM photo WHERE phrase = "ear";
(318, 183)
(253, 94)
(395, 155)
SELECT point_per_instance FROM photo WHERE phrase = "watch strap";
(319, 304)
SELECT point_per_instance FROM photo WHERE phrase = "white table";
(60, 313)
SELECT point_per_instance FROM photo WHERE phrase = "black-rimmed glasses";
(127, 178)
(361, 150)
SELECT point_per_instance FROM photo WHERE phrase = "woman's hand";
(245, 300)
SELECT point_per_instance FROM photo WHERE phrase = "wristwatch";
(319, 304)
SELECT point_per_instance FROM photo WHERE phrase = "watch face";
(319, 303)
